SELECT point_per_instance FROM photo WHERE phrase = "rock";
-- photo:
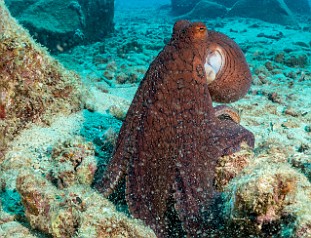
(268, 196)
(77, 211)
(274, 11)
(182, 6)
(15, 229)
(227, 3)
(300, 6)
(205, 10)
(281, 13)
(295, 60)
(98, 18)
(73, 163)
(61, 24)
(304, 6)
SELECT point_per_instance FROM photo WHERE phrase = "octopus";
(172, 136)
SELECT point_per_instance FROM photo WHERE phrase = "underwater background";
(69, 71)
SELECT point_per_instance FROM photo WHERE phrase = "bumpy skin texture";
(171, 139)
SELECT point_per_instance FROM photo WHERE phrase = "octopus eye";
(214, 63)
(199, 31)
(201, 28)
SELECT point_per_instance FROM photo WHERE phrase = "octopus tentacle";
(189, 197)
(123, 151)
(144, 198)
(232, 135)
(114, 174)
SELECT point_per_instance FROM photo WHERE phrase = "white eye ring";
(214, 63)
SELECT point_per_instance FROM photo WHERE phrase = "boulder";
(183, 6)
(205, 10)
(227, 3)
(61, 24)
(273, 11)
(303, 7)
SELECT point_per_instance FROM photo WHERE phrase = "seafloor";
(276, 109)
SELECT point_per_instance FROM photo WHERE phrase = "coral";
(73, 162)
(73, 212)
(33, 85)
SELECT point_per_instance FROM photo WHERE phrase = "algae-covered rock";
(33, 85)
(46, 208)
(43, 194)
(268, 197)
(303, 163)
(74, 212)
(73, 163)
(15, 229)
(102, 220)
(229, 166)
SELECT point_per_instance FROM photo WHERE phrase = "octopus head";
(225, 68)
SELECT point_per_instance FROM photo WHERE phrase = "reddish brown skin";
(2, 111)
(171, 139)
(234, 79)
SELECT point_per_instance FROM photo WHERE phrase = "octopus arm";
(148, 189)
(126, 145)
(195, 197)
(150, 173)
(232, 135)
